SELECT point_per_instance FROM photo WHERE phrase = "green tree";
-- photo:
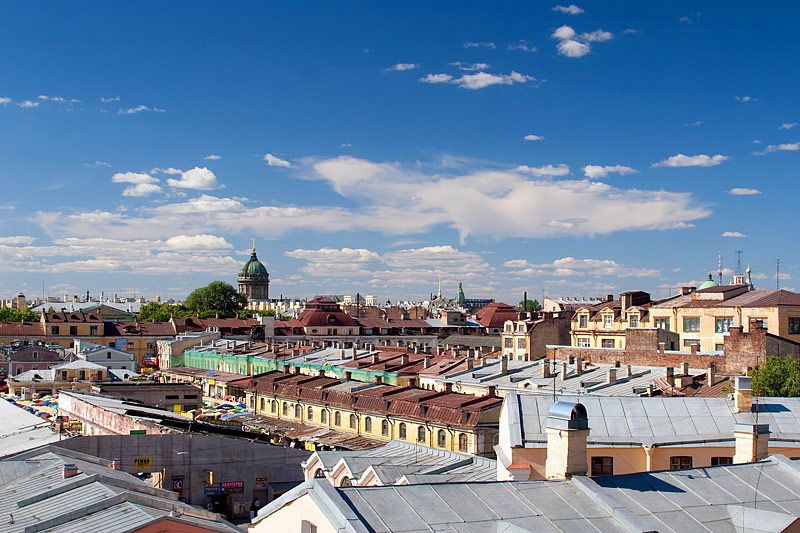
(533, 306)
(12, 315)
(217, 297)
(777, 376)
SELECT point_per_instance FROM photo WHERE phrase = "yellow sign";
(140, 463)
(311, 447)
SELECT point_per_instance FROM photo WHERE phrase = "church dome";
(707, 284)
(253, 269)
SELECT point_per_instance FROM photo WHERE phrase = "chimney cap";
(567, 415)
(744, 383)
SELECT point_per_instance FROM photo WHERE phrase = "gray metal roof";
(652, 420)
(22, 430)
(763, 496)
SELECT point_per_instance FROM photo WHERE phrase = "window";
(149, 345)
(35, 355)
(421, 434)
(607, 343)
(353, 421)
(252, 402)
(274, 406)
(756, 323)
(263, 403)
(310, 414)
(92, 330)
(583, 321)
(441, 439)
(172, 397)
(285, 409)
(723, 324)
(602, 466)
(794, 325)
(584, 342)
(346, 482)
(108, 355)
(719, 347)
(717, 461)
(634, 320)
(661, 322)
(82, 375)
(680, 462)
(368, 425)
(521, 342)
(337, 419)
(402, 430)
(509, 342)
(691, 324)
(73, 330)
(297, 411)
(319, 473)
(688, 343)
(385, 428)
(323, 416)
(54, 330)
(608, 321)
(463, 442)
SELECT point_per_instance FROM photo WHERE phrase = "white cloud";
(697, 123)
(631, 31)
(172, 171)
(97, 164)
(199, 178)
(4, 100)
(700, 160)
(58, 99)
(599, 171)
(786, 147)
(109, 99)
(399, 67)
(533, 137)
(523, 46)
(572, 48)
(479, 80)
(274, 161)
(545, 171)
(596, 36)
(787, 125)
(28, 104)
(571, 9)
(17, 239)
(133, 177)
(470, 44)
(197, 242)
(563, 33)
(139, 109)
(471, 66)
(747, 99)
(757, 141)
(743, 192)
(213, 157)
(733, 234)
(141, 189)
(569, 267)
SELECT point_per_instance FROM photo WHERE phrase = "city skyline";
(577, 148)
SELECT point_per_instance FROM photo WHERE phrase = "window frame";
(678, 462)
(602, 465)
(693, 323)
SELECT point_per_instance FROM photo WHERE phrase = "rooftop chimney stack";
(69, 470)
(579, 365)
(545, 368)
(684, 369)
(710, 377)
(743, 394)
(567, 430)
(752, 442)
(503, 365)
(611, 375)
(628, 371)
(563, 370)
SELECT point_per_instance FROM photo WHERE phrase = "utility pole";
(778, 273)
(719, 268)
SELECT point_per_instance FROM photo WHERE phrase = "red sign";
(177, 484)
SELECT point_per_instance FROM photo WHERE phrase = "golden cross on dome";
(254, 246)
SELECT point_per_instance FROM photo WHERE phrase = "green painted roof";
(708, 283)
(253, 269)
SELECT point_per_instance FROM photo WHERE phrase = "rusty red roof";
(495, 314)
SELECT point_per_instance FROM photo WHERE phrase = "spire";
(439, 293)
(254, 246)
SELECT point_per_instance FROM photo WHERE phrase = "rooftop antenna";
(254, 243)
(739, 263)
(778, 273)
(439, 293)
(719, 268)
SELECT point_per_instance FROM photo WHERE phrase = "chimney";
(693, 349)
(469, 363)
(115, 465)
(684, 369)
(375, 358)
(669, 375)
(661, 347)
(416, 349)
(503, 365)
(615, 363)
(743, 394)
(628, 372)
(69, 470)
(545, 368)
(579, 365)
(448, 387)
(378, 379)
(563, 370)
(710, 375)
(752, 442)
(355, 352)
(426, 362)
(609, 297)
(348, 375)
(650, 389)
(482, 360)
(404, 359)
(491, 391)
(686, 290)
(567, 430)
(611, 375)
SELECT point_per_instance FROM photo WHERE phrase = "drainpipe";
(649, 451)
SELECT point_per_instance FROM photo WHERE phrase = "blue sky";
(578, 149)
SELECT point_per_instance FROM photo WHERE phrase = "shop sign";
(212, 489)
(233, 487)
(141, 463)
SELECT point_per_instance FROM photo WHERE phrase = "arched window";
(353, 421)
(274, 406)
(310, 414)
(346, 482)
(401, 431)
(285, 409)
(297, 411)
(319, 473)
(337, 419)
(463, 441)
(368, 425)
(385, 428)
(421, 434)
(441, 439)
(252, 402)
(323, 416)
(263, 403)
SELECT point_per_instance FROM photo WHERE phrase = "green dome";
(253, 269)
(708, 283)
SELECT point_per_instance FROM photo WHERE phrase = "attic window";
(331, 319)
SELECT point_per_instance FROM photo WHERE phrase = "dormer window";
(583, 321)
(608, 321)
(634, 320)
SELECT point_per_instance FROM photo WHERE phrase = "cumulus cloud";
(133, 177)
(199, 178)
(28, 104)
(479, 80)
(596, 36)
(213, 157)
(522, 45)
(696, 123)
(571, 44)
(141, 189)
(471, 44)
(599, 171)
(17, 239)
(139, 109)
(197, 242)
(275, 161)
(733, 234)
(747, 99)
(737, 191)
(107, 100)
(563, 33)
(97, 164)
(4, 100)
(533, 137)
(470, 66)
(786, 147)
(701, 160)
(570, 267)
(545, 171)
(573, 48)
(571, 9)
(58, 99)
(787, 125)
(399, 67)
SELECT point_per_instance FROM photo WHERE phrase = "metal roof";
(22, 430)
